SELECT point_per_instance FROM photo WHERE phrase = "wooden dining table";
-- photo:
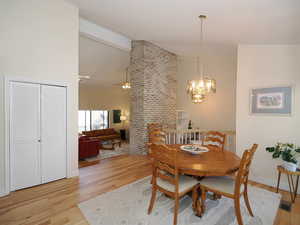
(215, 162)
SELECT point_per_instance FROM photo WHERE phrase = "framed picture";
(273, 100)
(116, 116)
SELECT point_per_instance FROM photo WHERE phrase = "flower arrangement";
(287, 152)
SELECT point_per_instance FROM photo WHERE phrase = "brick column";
(153, 91)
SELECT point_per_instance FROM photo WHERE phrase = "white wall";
(39, 40)
(265, 66)
(105, 65)
(105, 98)
(218, 110)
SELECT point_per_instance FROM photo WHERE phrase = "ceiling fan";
(126, 83)
(83, 78)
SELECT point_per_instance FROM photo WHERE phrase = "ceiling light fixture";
(126, 84)
(199, 89)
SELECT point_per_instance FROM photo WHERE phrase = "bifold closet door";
(53, 133)
(24, 135)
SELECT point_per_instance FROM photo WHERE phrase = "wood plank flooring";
(56, 203)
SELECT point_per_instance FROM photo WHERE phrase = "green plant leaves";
(276, 155)
(286, 151)
(270, 149)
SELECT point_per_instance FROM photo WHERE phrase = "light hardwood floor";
(56, 203)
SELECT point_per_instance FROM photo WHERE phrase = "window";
(84, 120)
(93, 120)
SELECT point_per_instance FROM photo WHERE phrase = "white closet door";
(53, 133)
(24, 135)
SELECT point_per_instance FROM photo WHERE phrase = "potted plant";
(288, 152)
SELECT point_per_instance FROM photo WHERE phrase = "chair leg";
(247, 201)
(151, 181)
(203, 198)
(153, 197)
(176, 209)
(238, 210)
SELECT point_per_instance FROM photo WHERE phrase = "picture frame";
(271, 101)
(116, 116)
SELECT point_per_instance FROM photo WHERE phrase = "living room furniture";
(293, 186)
(103, 134)
(123, 134)
(174, 184)
(229, 187)
(88, 147)
(116, 142)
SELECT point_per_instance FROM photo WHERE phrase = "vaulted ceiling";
(174, 24)
(104, 64)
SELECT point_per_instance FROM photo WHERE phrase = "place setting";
(194, 149)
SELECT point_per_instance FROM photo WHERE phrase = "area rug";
(104, 154)
(128, 206)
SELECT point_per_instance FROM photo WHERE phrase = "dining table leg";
(196, 201)
(216, 196)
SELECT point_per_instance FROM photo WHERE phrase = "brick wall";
(153, 91)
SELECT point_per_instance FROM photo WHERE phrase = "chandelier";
(199, 89)
(126, 84)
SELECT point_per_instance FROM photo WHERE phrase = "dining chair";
(157, 137)
(229, 187)
(214, 139)
(166, 178)
(154, 126)
(151, 128)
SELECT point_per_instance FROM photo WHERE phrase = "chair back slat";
(163, 154)
(214, 139)
(153, 127)
(244, 169)
(165, 167)
(157, 137)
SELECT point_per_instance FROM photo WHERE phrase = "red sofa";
(108, 134)
(88, 147)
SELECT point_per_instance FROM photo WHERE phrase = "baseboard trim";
(4, 193)
(74, 173)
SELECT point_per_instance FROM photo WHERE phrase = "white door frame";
(7, 95)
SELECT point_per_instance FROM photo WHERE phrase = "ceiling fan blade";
(84, 77)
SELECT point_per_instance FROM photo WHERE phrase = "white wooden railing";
(190, 136)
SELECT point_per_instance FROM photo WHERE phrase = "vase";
(289, 166)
